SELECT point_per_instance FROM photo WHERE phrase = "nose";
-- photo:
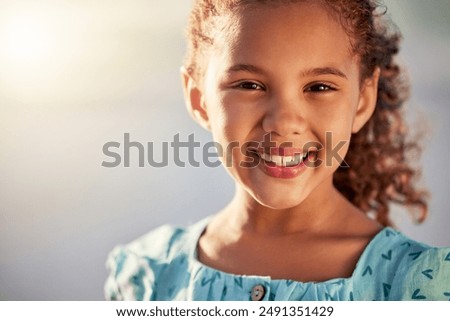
(285, 117)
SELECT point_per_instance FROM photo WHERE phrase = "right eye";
(320, 88)
(248, 85)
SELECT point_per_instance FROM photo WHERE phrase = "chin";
(278, 201)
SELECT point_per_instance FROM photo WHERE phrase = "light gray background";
(115, 70)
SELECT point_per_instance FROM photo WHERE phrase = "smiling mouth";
(293, 160)
(284, 161)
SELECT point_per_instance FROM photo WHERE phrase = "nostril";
(284, 123)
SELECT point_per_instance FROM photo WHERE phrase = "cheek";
(337, 114)
(333, 149)
(231, 119)
(333, 129)
(337, 135)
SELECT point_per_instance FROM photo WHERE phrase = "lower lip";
(282, 171)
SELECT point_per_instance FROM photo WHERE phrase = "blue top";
(163, 265)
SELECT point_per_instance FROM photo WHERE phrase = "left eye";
(249, 86)
(320, 88)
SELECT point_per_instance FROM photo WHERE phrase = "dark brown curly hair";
(379, 170)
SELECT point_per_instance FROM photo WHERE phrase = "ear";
(194, 100)
(367, 101)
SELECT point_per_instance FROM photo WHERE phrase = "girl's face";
(288, 71)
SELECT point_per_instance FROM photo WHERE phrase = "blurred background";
(75, 75)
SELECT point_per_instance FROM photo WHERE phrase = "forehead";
(290, 35)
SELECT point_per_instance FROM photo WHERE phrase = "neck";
(315, 213)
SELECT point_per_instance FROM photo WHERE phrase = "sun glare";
(26, 40)
(28, 52)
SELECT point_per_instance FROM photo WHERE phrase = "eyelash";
(324, 88)
(314, 88)
(252, 84)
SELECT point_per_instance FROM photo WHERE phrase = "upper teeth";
(283, 160)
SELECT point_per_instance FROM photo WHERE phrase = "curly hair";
(379, 170)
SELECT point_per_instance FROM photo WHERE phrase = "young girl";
(305, 100)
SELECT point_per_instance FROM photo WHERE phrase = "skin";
(306, 83)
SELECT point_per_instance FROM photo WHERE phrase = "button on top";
(258, 292)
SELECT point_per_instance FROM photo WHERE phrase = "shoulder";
(134, 268)
(399, 268)
(159, 244)
(424, 274)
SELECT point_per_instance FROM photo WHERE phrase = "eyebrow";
(309, 72)
(324, 71)
(245, 67)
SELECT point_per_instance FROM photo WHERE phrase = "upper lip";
(283, 151)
